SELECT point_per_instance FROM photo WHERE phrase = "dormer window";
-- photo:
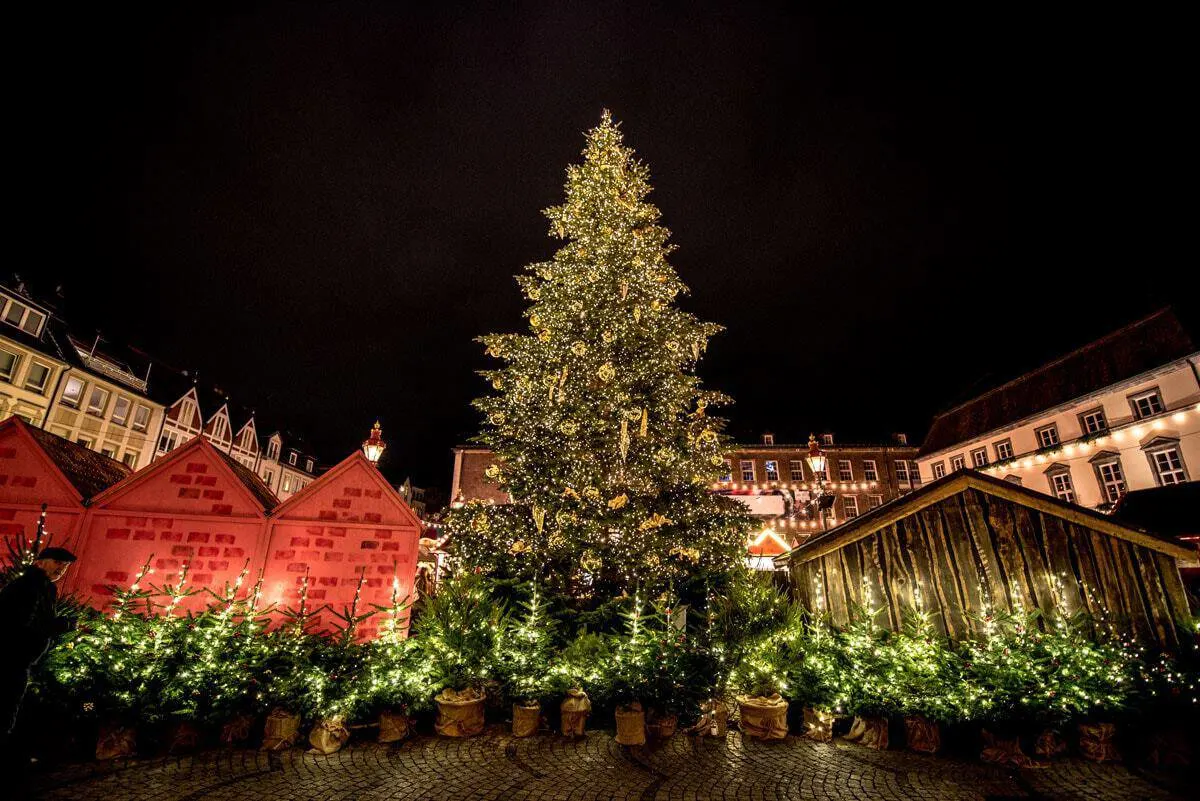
(273, 449)
(21, 316)
(768, 439)
(308, 465)
(292, 457)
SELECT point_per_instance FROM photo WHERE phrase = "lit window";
(121, 410)
(1003, 450)
(287, 483)
(957, 463)
(768, 439)
(1146, 404)
(109, 450)
(292, 457)
(726, 471)
(979, 457)
(874, 501)
(1168, 466)
(1047, 437)
(849, 506)
(1111, 479)
(267, 476)
(772, 470)
(273, 449)
(141, 418)
(796, 469)
(939, 469)
(747, 470)
(8, 365)
(1060, 484)
(1093, 422)
(901, 470)
(38, 378)
(845, 470)
(130, 459)
(97, 401)
(870, 472)
(72, 392)
(914, 472)
(308, 465)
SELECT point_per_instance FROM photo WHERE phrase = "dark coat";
(27, 617)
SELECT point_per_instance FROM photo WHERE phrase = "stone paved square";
(594, 768)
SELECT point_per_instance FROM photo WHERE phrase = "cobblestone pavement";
(549, 768)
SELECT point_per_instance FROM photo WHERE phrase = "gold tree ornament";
(637, 314)
(492, 472)
(579, 347)
(607, 372)
(497, 418)
(518, 547)
(618, 502)
(497, 383)
(592, 494)
(624, 290)
(535, 321)
(654, 521)
(570, 493)
(539, 518)
(568, 427)
(708, 436)
(607, 337)
(623, 444)
(644, 429)
(544, 335)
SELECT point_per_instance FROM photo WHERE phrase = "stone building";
(1121, 413)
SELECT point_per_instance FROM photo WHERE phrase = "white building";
(1119, 414)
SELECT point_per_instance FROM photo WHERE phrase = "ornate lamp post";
(817, 464)
(373, 446)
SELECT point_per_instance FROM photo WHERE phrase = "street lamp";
(373, 446)
(817, 464)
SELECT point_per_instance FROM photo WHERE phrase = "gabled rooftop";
(1137, 348)
(89, 472)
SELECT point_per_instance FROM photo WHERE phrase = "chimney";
(768, 438)
(827, 439)
(900, 437)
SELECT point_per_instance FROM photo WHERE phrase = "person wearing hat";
(27, 616)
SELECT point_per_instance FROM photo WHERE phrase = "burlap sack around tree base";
(116, 741)
(1001, 751)
(460, 712)
(763, 718)
(631, 724)
(870, 732)
(281, 730)
(393, 726)
(527, 719)
(328, 736)
(574, 709)
(185, 736)
(1050, 744)
(663, 726)
(236, 730)
(922, 734)
(1097, 742)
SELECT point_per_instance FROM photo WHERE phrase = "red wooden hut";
(348, 527)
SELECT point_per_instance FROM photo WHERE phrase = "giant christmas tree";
(601, 432)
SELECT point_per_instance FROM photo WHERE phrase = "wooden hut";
(969, 542)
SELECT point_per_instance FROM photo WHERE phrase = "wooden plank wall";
(972, 548)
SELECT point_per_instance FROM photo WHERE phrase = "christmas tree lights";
(601, 430)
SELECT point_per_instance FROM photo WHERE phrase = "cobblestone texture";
(548, 768)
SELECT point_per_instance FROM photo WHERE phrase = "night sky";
(319, 207)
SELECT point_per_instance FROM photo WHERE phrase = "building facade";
(773, 480)
(114, 401)
(1119, 414)
(776, 483)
